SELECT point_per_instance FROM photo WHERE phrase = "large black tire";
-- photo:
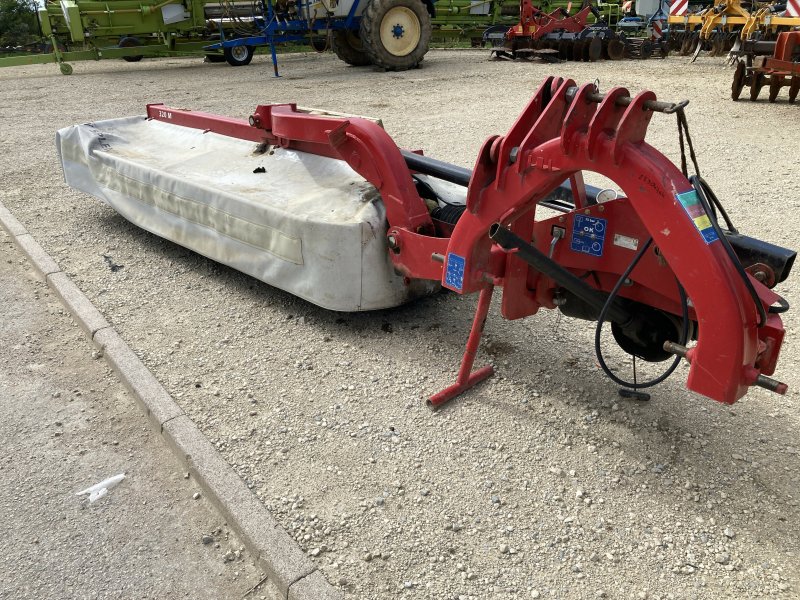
(348, 47)
(238, 56)
(130, 42)
(396, 33)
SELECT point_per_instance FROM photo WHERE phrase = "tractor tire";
(396, 33)
(348, 47)
(238, 56)
(130, 42)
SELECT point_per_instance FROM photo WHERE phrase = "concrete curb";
(40, 260)
(89, 318)
(291, 575)
(157, 404)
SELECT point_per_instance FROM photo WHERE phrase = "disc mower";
(329, 208)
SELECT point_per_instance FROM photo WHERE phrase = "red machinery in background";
(652, 260)
(780, 70)
(558, 35)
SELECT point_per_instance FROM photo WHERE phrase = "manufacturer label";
(691, 204)
(588, 235)
(626, 242)
(454, 275)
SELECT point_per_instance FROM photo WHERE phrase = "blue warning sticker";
(588, 235)
(454, 276)
(691, 204)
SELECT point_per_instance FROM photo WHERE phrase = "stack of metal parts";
(779, 70)
(559, 36)
(642, 48)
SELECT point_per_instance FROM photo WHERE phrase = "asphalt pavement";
(67, 424)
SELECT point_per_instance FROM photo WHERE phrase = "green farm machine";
(389, 34)
(469, 19)
(75, 30)
(225, 30)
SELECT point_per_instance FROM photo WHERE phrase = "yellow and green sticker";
(691, 204)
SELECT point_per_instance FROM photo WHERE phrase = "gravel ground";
(539, 483)
(67, 424)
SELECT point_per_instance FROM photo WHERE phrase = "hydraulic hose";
(703, 191)
(604, 312)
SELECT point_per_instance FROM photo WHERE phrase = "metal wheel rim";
(239, 53)
(400, 31)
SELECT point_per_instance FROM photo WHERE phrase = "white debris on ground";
(540, 483)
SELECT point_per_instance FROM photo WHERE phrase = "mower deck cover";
(307, 224)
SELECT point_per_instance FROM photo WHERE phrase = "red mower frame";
(562, 132)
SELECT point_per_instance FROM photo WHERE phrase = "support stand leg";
(466, 377)
(274, 55)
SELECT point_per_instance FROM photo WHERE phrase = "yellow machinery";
(718, 27)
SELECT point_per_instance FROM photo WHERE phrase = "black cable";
(683, 125)
(716, 203)
(683, 128)
(784, 306)
(710, 204)
(601, 319)
(701, 187)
